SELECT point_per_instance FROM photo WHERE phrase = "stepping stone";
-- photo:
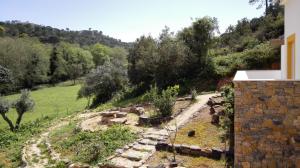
(162, 132)
(147, 142)
(146, 148)
(155, 137)
(120, 162)
(108, 114)
(121, 114)
(118, 120)
(135, 155)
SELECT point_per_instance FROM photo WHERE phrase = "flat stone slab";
(121, 162)
(108, 114)
(147, 142)
(146, 148)
(135, 155)
(121, 114)
(155, 137)
(118, 120)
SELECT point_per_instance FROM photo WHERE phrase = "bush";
(227, 121)
(166, 100)
(193, 94)
(260, 57)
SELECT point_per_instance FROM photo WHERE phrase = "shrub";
(227, 121)
(194, 94)
(260, 57)
(165, 102)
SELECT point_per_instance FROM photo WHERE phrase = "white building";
(290, 57)
(290, 51)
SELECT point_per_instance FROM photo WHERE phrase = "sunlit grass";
(56, 101)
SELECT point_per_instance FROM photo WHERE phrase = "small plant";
(166, 101)
(194, 94)
(172, 135)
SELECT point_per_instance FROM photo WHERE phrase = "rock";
(215, 119)
(180, 99)
(155, 137)
(216, 153)
(162, 146)
(108, 114)
(217, 109)
(147, 142)
(78, 165)
(137, 110)
(121, 114)
(191, 133)
(135, 155)
(118, 120)
(120, 162)
(126, 109)
(144, 148)
(216, 100)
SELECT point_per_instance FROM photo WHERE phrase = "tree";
(142, 61)
(5, 75)
(199, 38)
(4, 108)
(100, 53)
(104, 81)
(172, 54)
(261, 3)
(23, 105)
(2, 31)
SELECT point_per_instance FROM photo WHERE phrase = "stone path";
(33, 156)
(137, 153)
(130, 156)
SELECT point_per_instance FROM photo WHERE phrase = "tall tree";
(262, 3)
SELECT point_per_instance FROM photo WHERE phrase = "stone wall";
(267, 124)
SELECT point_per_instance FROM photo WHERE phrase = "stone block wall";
(267, 124)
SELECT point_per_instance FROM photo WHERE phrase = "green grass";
(53, 102)
(90, 147)
(186, 161)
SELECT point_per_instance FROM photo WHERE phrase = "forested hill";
(48, 34)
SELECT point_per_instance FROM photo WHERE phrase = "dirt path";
(38, 153)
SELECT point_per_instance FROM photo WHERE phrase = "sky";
(126, 19)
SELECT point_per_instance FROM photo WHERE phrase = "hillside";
(48, 34)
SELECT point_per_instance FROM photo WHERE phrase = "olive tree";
(4, 108)
(23, 105)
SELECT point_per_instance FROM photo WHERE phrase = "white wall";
(292, 25)
(283, 62)
(256, 75)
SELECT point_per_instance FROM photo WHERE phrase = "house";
(267, 106)
(290, 57)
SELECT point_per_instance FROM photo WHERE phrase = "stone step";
(118, 120)
(147, 142)
(121, 162)
(145, 148)
(135, 155)
(155, 137)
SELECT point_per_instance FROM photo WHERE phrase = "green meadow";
(58, 101)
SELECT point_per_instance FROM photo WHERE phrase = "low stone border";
(195, 151)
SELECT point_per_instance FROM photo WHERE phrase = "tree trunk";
(19, 121)
(11, 126)
(267, 6)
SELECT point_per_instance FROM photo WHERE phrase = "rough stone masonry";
(267, 124)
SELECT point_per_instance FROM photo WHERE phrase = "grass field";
(56, 101)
